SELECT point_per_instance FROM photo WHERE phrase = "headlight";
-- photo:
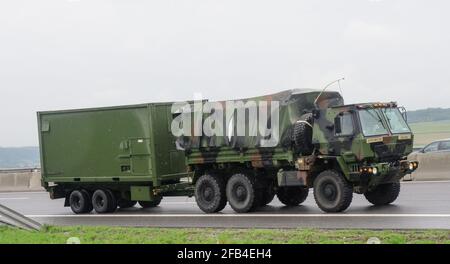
(375, 171)
(411, 166)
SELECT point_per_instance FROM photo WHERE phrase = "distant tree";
(429, 115)
(25, 157)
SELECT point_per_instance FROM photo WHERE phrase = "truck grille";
(386, 152)
(354, 168)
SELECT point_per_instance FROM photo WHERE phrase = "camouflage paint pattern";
(293, 104)
(245, 150)
(387, 152)
(349, 154)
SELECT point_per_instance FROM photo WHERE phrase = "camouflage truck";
(335, 149)
(104, 158)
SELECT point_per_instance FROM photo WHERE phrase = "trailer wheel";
(150, 204)
(303, 135)
(123, 204)
(332, 192)
(114, 203)
(89, 205)
(79, 202)
(242, 193)
(210, 193)
(383, 194)
(104, 201)
(292, 195)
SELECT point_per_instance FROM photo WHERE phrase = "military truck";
(106, 158)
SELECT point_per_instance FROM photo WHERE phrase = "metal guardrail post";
(16, 219)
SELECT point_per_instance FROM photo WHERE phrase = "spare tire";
(302, 135)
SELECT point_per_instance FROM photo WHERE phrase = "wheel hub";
(76, 202)
(240, 193)
(208, 193)
(100, 201)
(330, 191)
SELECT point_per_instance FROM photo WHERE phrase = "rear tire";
(332, 192)
(292, 195)
(79, 202)
(267, 196)
(210, 193)
(103, 201)
(242, 193)
(123, 204)
(266, 192)
(383, 194)
(150, 204)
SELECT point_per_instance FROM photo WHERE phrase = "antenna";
(326, 86)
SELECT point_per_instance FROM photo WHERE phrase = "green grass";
(427, 132)
(135, 235)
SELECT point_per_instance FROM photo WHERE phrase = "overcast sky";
(71, 54)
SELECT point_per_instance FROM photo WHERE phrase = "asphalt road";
(420, 205)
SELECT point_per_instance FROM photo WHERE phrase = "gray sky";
(71, 54)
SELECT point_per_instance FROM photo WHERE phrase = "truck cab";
(367, 144)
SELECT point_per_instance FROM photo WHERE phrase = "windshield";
(396, 122)
(371, 123)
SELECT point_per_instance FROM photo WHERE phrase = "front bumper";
(385, 172)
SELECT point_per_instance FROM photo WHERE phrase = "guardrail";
(20, 170)
(28, 179)
(16, 219)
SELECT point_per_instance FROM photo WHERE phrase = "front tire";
(292, 195)
(383, 194)
(210, 193)
(242, 193)
(332, 192)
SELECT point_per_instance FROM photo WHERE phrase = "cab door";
(344, 131)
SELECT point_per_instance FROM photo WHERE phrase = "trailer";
(114, 157)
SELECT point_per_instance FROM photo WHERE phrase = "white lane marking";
(14, 198)
(38, 192)
(163, 203)
(242, 215)
(423, 182)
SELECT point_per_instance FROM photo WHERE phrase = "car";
(434, 161)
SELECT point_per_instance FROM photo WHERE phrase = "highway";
(420, 205)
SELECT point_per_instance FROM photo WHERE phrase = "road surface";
(420, 205)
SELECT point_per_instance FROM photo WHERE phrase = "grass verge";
(136, 235)
(427, 132)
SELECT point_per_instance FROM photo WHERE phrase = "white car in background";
(434, 161)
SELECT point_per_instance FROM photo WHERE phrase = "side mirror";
(316, 113)
(337, 125)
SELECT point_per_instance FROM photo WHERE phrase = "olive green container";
(118, 146)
